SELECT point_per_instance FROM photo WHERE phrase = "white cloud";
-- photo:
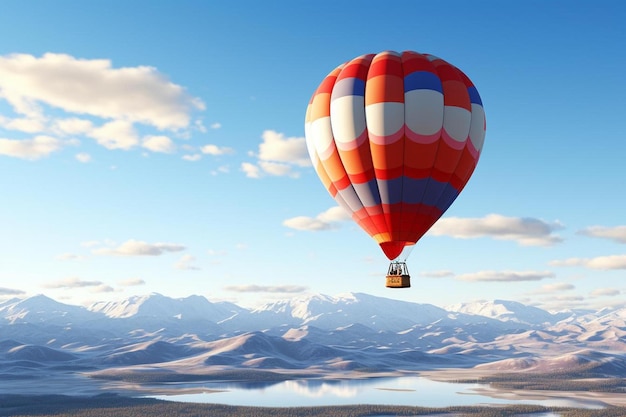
(605, 292)
(98, 101)
(523, 230)
(10, 291)
(24, 124)
(192, 158)
(224, 169)
(617, 233)
(161, 144)
(83, 157)
(186, 263)
(599, 262)
(94, 87)
(30, 149)
(118, 134)
(251, 170)
(275, 147)
(554, 288)
(288, 289)
(103, 288)
(216, 150)
(72, 126)
(132, 282)
(278, 169)
(139, 248)
(326, 220)
(69, 257)
(72, 282)
(505, 276)
(278, 156)
(216, 125)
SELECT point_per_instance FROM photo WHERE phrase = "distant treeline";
(114, 405)
(555, 381)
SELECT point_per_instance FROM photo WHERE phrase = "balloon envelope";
(394, 138)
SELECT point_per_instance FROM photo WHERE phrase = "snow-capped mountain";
(344, 310)
(41, 309)
(157, 305)
(508, 311)
(313, 334)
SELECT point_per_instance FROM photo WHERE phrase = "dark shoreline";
(105, 405)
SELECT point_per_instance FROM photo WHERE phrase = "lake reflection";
(411, 391)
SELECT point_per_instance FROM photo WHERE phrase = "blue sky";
(158, 146)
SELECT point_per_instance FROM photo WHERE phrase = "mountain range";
(158, 338)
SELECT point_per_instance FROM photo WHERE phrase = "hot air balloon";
(394, 138)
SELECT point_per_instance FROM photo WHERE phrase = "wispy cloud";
(287, 289)
(30, 149)
(557, 287)
(83, 157)
(69, 257)
(118, 134)
(139, 248)
(131, 282)
(192, 157)
(505, 276)
(523, 230)
(72, 282)
(326, 220)
(186, 262)
(616, 234)
(160, 144)
(605, 292)
(251, 170)
(216, 150)
(58, 95)
(278, 156)
(599, 262)
(10, 291)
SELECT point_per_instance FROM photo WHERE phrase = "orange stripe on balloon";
(388, 160)
(358, 163)
(382, 89)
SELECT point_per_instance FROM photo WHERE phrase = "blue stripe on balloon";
(430, 192)
(413, 190)
(422, 80)
(433, 192)
(427, 191)
(447, 197)
(348, 87)
(474, 96)
(391, 190)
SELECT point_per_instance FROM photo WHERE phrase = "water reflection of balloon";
(394, 138)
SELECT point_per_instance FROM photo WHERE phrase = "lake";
(410, 391)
